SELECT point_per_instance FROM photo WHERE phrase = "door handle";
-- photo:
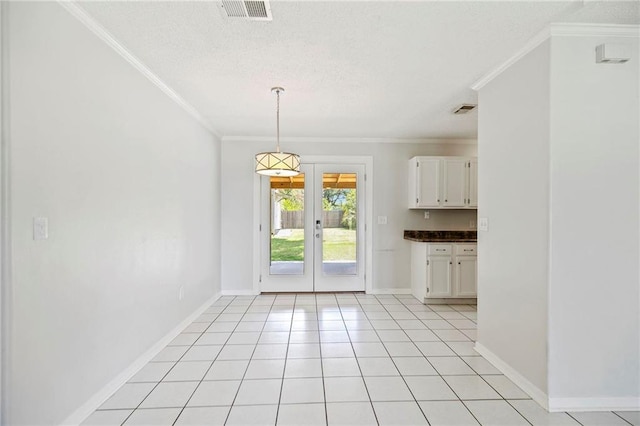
(318, 224)
(317, 235)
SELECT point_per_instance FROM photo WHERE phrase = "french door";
(312, 230)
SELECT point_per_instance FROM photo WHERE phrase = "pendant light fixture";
(277, 163)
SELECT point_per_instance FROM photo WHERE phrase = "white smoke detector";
(612, 53)
(247, 10)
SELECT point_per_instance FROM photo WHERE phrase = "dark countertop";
(441, 236)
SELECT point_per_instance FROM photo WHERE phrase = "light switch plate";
(483, 224)
(382, 220)
(426, 214)
(40, 228)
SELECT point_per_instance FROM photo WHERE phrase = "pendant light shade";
(277, 163)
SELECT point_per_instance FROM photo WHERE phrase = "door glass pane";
(287, 225)
(339, 214)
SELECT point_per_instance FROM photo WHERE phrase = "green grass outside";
(338, 244)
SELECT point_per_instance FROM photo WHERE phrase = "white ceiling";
(378, 69)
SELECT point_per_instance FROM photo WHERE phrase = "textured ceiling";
(350, 69)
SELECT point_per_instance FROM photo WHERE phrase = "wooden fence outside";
(295, 219)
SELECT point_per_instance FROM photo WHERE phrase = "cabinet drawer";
(466, 250)
(440, 249)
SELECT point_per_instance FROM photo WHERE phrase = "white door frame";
(367, 162)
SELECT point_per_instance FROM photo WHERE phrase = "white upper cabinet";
(443, 182)
(455, 182)
(424, 182)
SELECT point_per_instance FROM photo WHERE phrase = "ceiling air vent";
(247, 10)
(464, 108)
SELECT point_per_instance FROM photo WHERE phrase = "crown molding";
(87, 20)
(565, 30)
(536, 41)
(603, 30)
(293, 139)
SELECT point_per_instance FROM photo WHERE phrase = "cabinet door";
(439, 276)
(466, 271)
(428, 179)
(473, 183)
(455, 183)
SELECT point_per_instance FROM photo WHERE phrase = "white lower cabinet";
(465, 272)
(443, 270)
(439, 276)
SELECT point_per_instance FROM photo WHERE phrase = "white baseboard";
(450, 301)
(239, 293)
(529, 388)
(594, 404)
(390, 291)
(103, 394)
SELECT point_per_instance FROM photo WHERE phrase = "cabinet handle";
(446, 201)
(458, 263)
(450, 263)
(438, 200)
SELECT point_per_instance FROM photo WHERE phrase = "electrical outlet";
(426, 214)
(483, 224)
(382, 220)
(40, 228)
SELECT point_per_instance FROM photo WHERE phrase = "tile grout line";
(250, 359)
(576, 420)
(622, 417)
(324, 388)
(286, 355)
(366, 388)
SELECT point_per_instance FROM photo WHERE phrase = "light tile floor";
(329, 359)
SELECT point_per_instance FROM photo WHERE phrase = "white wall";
(559, 142)
(594, 292)
(513, 193)
(391, 253)
(130, 184)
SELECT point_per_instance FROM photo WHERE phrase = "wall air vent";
(247, 10)
(464, 108)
